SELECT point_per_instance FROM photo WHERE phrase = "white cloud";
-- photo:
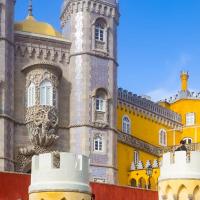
(160, 94)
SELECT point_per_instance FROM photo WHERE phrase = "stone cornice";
(103, 8)
(139, 144)
(43, 50)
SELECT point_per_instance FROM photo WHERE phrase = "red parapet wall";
(14, 186)
(114, 192)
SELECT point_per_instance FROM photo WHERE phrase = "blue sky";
(156, 40)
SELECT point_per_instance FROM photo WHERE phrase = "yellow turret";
(184, 80)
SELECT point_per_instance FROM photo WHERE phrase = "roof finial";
(30, 8)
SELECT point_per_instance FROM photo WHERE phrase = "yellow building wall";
(186, 106)
(125, 158)
(144, 129)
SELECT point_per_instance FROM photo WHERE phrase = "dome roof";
(30, 25)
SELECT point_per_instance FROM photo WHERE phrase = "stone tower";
(6, 83)
(91, 26)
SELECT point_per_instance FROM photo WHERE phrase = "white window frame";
(187, 139)
(163, 137)
(126, 125)
(136, 157)
(98, 144)
(190, 119)
(100, 104)
(99, 32)
(31, 95)
(48, 97)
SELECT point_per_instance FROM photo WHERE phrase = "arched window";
(98, 144)
(162, 137)
(46, 93)
(31, 95)
(100, 30)
(188, 140)
(126, 124)
(101, 100)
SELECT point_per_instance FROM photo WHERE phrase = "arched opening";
(100, 27)
(196, 193)
(142, 183)
(101, 96)
(126, 125)
(133, 183)
(169, 193)
(182, 193)
(31, 95)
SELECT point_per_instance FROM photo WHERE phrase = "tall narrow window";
(46, 93)
(162, 137)
(100, 104)
(136, 157)
(100, 31)
(126, 125)
(31, 95)
(98, 144)
(190, 119)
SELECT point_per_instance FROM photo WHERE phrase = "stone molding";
(96, 6)
(42, 49)
(139, 144)
(95, 54)
(7, 40)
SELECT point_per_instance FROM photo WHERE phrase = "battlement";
(180, 165)
(146, 104)
(60, 171)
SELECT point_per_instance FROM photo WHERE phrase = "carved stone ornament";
(41, 121)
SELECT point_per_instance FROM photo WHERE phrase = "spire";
(30, 8)
(184, 80)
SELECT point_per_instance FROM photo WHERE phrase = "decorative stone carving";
(41, 120)
(96, 6)
(139, 144)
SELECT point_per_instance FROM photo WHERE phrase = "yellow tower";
(180, 176)
(61, 176)
(184, 80)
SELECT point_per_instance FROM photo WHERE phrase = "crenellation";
(138, 101)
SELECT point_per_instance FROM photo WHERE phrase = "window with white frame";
(31, 95)
(126, 124)
(136, 157)
(98, 144)
(100, 104)
(100, 31)
(46, 93)
(163, 137)
(188, 140)
(190, 119)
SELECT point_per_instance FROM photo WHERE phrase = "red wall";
(113, 192)
(15, 186)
